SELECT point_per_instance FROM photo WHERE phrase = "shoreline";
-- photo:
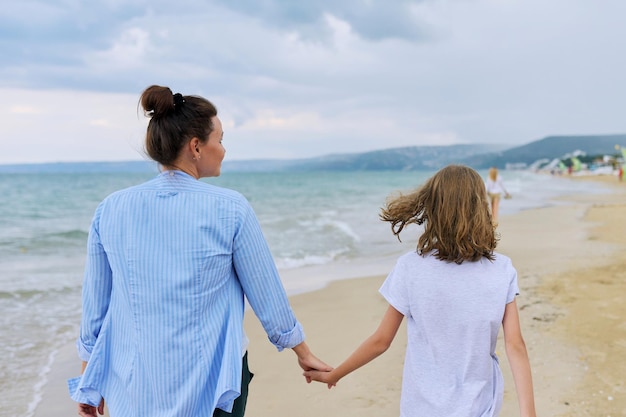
(561, 252)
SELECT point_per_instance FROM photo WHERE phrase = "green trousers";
(239, 407)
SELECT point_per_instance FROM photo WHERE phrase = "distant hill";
(428, 158)
(549, 148)
(412, 158)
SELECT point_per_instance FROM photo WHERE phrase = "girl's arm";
(369, 350)
(518, 360)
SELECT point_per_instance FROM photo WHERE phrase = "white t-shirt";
(454, 314)
(495, 187)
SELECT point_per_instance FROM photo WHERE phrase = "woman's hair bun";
(157, 101)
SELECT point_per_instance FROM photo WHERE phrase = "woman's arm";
(96, 296)
(518, 360)
(96, 289)
(261, 283)
(87, 410)
(263, 288)
(370, 349)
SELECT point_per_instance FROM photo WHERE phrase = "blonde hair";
(493, 173)
(453, 207)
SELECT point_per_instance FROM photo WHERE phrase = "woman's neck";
(189, 169)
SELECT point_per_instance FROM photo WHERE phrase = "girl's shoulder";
(500, 258)
(503, 264)
(414, 258)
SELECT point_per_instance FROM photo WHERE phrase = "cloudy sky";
(298, 78)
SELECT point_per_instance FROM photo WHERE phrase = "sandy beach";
(571, 261)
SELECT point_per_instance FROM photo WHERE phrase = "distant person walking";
(495, 190)
(455, 292)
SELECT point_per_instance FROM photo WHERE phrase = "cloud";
(128, 51)
(306, 78)
(294, 122)
(22, 110)
(372, 20)
(64, 125)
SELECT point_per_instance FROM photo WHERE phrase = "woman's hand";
(86, 410)
(308, 361)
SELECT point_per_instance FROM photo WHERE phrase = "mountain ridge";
(408, 158)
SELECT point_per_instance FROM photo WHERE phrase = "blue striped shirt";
(168, 264)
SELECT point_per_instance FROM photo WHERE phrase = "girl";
(455, 292)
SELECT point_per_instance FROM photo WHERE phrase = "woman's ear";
(194, 146)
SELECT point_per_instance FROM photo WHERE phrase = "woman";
(495, 189)
(169, 262)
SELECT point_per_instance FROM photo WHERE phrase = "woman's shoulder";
(164, 186)
(223, 192)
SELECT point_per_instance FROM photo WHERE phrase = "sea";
(320, 226)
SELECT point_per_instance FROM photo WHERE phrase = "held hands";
(329, 378)
(309, 362)
(370, 349)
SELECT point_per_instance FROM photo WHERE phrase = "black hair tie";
(178, 100)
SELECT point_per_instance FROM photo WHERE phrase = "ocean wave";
(42, 381)
(69, 234)
(308, 260)
(345, 228)
(292, 263)
(50, 242)
(35, 323)
(26, 294)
